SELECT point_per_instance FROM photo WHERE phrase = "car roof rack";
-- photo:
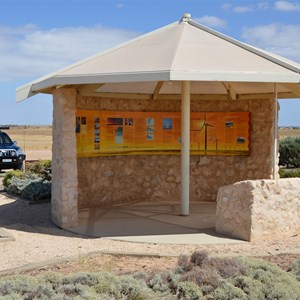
(4, 127)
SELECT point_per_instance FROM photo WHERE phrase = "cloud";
(120, 5)
(242, 9)
(287, 6)
(246, 8)
(29, 52)
(212, 21)
(277, 38)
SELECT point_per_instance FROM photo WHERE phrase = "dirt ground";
(120, 265)
(39, 241)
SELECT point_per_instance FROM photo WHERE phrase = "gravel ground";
(37, 239)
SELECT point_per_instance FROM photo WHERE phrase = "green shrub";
(172, 280)
(106, 284)
(41, 168)
(17, 284)
(254, 289)
(228, 267)
(276, 283)
(184, 264)
(295, 269)
(227, 291)
(76, 291)
(199, 258)
(189, 291)
(10, 174)
(288, 173)
(203, 276)
(289, 150)
(157, 283)
(240, 278)
(30, 186)
(134, 289)
(34, 184)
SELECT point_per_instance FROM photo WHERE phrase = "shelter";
(183, 69)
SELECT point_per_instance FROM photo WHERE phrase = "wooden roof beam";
(232, 95)
(157, 89)
(293, 87)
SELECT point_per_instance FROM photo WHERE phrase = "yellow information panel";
(107, 133)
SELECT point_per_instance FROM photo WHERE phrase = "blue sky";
(38, 37)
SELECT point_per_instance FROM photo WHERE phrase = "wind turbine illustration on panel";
(205, 125)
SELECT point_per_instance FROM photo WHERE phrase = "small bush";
(17, 284)
(30, 187)
(76, 291)
(288, 173)
(130, 288)
(276, 283)
(10, 174)
(184, 264)
(157, 284)
(199, 258)
(34, 185)
(228, 267)
(295, 269)
(227, 291)
(41, 168)
(289, 149)
(254, 289)
(189, 291)
(203, 276)
(243, 278)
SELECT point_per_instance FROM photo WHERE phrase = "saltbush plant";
(289, 173)
(41, 168)
(289, 150)
(10, 174)
(197, 277)
(296, 269)
(33, 185)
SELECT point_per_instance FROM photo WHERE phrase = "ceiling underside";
(172, 90)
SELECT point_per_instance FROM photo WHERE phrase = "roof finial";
(185, 18)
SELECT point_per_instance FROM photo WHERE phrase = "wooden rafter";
(157, 89)
(293, 87)
(232, 95)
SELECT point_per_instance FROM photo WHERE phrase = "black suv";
(11, 156)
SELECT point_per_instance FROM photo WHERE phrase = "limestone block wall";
(259, 209)
(64, 162)
(157, 178)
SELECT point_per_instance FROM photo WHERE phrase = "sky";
(41, 36)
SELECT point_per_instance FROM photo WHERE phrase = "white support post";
(185, 148)
(275, 148)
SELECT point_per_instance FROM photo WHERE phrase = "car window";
(5, 139)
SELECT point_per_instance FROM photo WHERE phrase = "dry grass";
(283, 133)
(32, 137)
(39, 138)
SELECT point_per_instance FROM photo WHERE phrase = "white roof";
(185, 50)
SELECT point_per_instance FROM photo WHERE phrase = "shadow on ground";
(134, 222)
(19, 215)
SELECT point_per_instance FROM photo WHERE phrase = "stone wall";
(157, 178)
(259, 209)
(64, 161)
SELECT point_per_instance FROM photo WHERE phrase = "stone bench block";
(259, 209)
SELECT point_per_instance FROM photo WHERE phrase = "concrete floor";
(152, 223)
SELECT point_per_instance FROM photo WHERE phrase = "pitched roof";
(183, 50)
